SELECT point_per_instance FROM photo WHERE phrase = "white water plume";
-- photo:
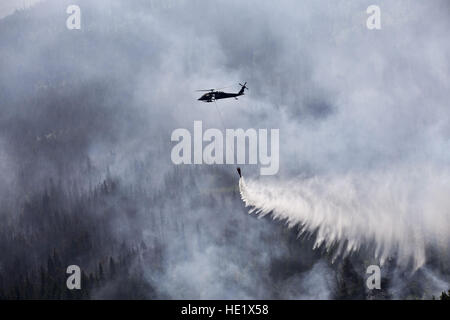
(402, 212)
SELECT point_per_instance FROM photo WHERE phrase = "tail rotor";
(244, 86)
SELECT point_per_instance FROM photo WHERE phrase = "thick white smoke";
(9, 7)
(401, 213)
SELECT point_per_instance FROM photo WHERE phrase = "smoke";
(10, 6)
(363, 116)
(316, 283)
(397, 213)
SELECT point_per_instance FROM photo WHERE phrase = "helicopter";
(214, 94)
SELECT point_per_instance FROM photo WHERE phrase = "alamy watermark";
(73, 21)
(190, 148)
(374, 20)
(374, 280)
(74, 280)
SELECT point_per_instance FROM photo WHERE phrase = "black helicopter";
(214, 94)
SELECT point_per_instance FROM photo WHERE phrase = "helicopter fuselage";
(216, 95)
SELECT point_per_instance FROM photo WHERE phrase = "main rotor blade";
(213, 89)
